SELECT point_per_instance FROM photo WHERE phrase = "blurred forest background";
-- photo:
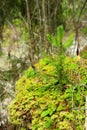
(24, 26)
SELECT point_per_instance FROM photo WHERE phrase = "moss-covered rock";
(41, 105)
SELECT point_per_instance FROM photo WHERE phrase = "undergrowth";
(40, 104)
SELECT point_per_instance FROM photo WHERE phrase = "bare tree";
(76, 20)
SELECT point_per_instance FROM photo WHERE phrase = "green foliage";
(17, 22)
(23, 128)
(38, 99)
(60, 34)
(53, 40)
(30, 73)
(57, 40)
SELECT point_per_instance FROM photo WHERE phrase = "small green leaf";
(49, 123)
(60, 34)
(55, 42)
(45, 113)
(49, 37)
(52, 40)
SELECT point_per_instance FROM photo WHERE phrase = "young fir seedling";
(57, 41)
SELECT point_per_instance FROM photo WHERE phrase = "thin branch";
(83, 7)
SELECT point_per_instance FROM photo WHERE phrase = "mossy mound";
(41, 105)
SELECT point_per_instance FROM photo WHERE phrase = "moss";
(39, 103)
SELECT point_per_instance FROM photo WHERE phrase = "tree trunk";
(30, 36)
(44, 11)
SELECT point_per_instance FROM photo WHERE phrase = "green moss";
(40, 104)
